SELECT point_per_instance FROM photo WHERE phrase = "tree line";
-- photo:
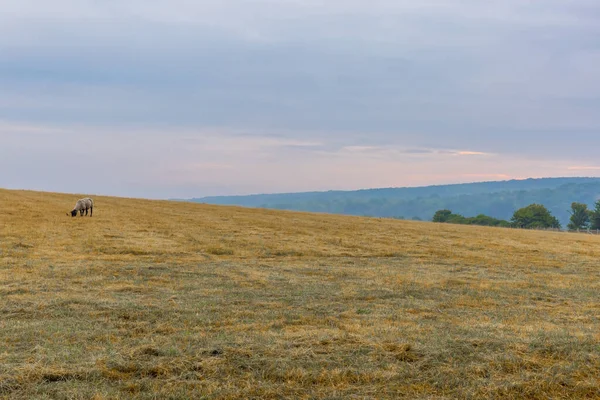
(533, 216)
(496, 199)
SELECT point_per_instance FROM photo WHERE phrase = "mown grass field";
(166, 300)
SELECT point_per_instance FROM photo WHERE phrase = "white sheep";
(83, 205)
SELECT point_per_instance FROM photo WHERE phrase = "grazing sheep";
(83, 205)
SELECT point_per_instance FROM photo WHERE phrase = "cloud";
(395, 151)
(471, 153)
(308, 85)
(418, 151)
(488, 176)
(150, 162)
(363, 149)
(584, 168)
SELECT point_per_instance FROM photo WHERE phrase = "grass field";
(166, 300)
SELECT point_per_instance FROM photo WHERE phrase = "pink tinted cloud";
(584, 168)
(194, 163)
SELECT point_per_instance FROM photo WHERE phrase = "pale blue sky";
(190, 98)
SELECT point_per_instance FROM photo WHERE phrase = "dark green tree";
(580, 216)
(595, 216)
(486, 220)
(457, 219)
(534, 216)
(449, 217)
(442, 216)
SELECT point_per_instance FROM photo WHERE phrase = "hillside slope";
(497, 199)
(179, 300)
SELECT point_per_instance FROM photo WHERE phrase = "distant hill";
(498, 199)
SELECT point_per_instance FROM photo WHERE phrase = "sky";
(179, 99)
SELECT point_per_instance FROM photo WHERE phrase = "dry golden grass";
(153, 299)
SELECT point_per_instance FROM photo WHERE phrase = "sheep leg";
(91, 211)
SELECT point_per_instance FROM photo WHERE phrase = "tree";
(486, 220)
(595, 216)
(442, 216)
(449, 217)
(534, 216)
(580, 216)
(457, 219)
